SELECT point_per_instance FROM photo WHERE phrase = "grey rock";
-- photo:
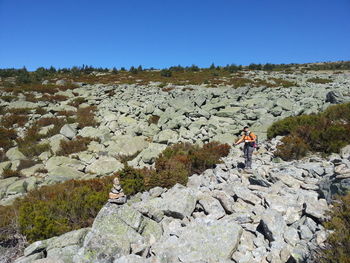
(104, 165)
(14, 154)
(68, 131)
(272, 225)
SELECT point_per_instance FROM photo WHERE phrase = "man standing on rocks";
(249, 140)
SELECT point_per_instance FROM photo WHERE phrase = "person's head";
(246, 129)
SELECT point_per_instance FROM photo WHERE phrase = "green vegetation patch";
(326, 132)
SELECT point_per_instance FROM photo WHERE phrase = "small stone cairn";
(116, 195)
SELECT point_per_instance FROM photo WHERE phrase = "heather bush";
(86, 117)
(7, 173)
(288, 125)
(6, 138)
(53, 210)
(173, 172)
(78, 144)
(326, 132)
(293, 147)
(174, 165)
(319, 80)
(337, 245)
(131, 180)
(8, 121)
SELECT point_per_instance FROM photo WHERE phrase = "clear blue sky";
(161, 33)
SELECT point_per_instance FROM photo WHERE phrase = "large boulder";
(104, 165)
(334, 97)
(126, 145)
(68, 131)
(14, 154)
(111, 235)
(166, 136)
(202, 240)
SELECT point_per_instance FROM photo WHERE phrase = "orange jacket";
(249, 138)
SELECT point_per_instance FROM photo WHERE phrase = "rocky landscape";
(139, 121)
(222, 215)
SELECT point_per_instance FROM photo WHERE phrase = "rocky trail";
(273, 214)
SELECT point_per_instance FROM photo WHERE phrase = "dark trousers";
(248, 153)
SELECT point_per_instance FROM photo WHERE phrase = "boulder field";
(273, 214)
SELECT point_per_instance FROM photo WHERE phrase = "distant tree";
(122, 69)
(24, 76)
(212, 66)
(177, 68)
(114, 70)
(193, 68)
(133, 70)
(139, 69)
(268, 67)
(166, 73)
(52, 70)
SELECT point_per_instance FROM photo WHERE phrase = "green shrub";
(8, 226)
(293, 147)
(339, 113)
(172, 172)
(326, 132)
(54, 210)
(174, 165)
(207, 156)
(288, 125)
(166, 73)
(131, 180)
(319, 80)
(337, 245)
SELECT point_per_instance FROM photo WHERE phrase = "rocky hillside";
(59, 130)
(83, 130)
(222, 215)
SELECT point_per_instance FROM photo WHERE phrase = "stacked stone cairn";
(116, 195)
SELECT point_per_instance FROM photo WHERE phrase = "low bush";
(7, 98)
(326, 132)
(78, 144)
(131, 180)
(173, 171)
(283, 82)
(30, 144)
(6, 138)
(53, 210)
(174, 165)
(293, 147)
(337, 245)
(319, 80)
(77, 101)
(8, 121)
(7, 173)
(86, 117)
(290, 124)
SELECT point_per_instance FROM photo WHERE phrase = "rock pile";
(117, 195)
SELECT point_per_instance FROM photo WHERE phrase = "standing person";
(249, 140)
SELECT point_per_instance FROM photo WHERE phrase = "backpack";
(255, 144)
